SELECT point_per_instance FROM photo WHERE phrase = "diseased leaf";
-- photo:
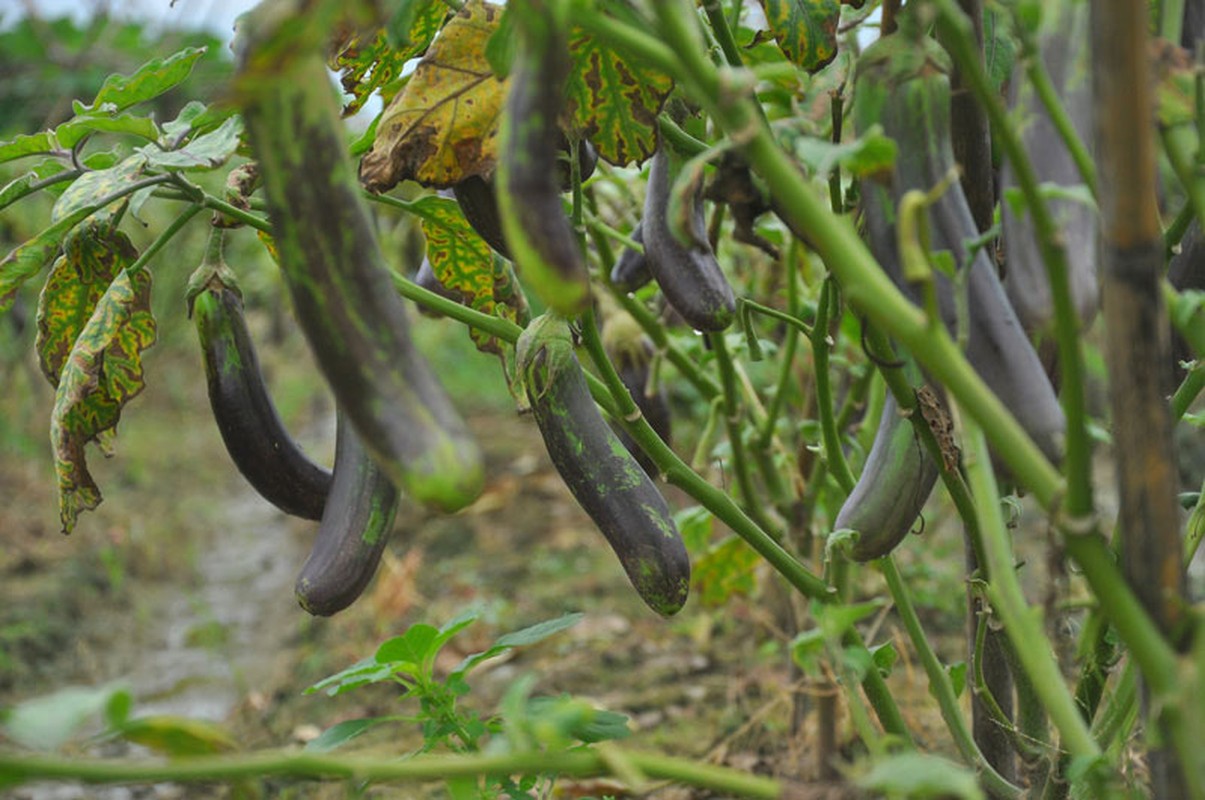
(613, 101)
(92, 187)
(726, 569)
(149, 81)
(806, 30)
(443, 126)
(73, 130)
(27, 259)
(102, 373)
(26, 145)
(366, 67)
(207, 151)
(92, 256)
(465, 264)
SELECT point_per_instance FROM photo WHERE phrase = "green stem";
(821, 344)
(1189, 389)
(960, 42)
(680, 140)
(1171, 19)
(1022, 625)
(723, 33)
(789, 348)
(1181, 144)
(939, 684)
(1178, 227)
(25, 767)
(163, 238)
(1039, 78)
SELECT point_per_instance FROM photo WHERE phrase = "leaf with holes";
(92, 256)
(443, 126)
(465, 264)
(102, 373)
(806, 30)
(613, 101)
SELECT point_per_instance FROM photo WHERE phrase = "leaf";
(726, 569)
(869, 154)
(361, 673)
(103, 372)
(443, 126)
(46, 723)
(409, 650)
(73, 130)
(464, 263)
(27, 259)
(182, 124)
(695, 524)
(916, 775)
(341, 733)
(92, 256)
(149, 81)
(613, 101)
(207, 151)
(93, 186)
(367, 68)
(806, 30)
(519, 638)
(178, 736)
(26, 145)
(958, 677)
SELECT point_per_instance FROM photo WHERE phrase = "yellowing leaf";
(465, 264)
(102, 373)
(806, 30)
(613, 102)
(443, 126)
(178, 736)
(92, 255)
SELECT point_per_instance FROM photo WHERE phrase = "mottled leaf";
(726, 569)
(102, 373)
(27, 259)
(366, 67)
(443, 126)
(73, 130)
(806, 30)
(207, 151)
(92, 256)
(26, 145)
(92, 187)
(150, 80)
(465, 264)
(613, 101)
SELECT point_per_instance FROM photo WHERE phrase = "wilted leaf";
(613, 101)
(26, 145)
(806, 30)
(464, 263)
(103, 372)
(92, 256)
(94, 186)
(207, 151)
(27, 259)
(150, 80)
(443, 126)
(178, 736)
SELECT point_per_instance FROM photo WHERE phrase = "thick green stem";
(162, 239)
(838, 467)
(229, 767)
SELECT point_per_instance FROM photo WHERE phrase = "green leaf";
(613, 101)
(836, 620)
(46, 723)
(725, 570)
(27, 259)
(408, 651)
(207, 151)
(361, 673)
(539, 631)
(91, 187)
(885, 655)
(695, 524)
(18, 188)
(73, 130)
(958, 677)
(26, 145)
(999, 48)
(341, 733)
(916, 775)
(92, 256)
(464, 263)
(869, 154)
(150, 80)
(103, 372)
(577, 719)
(178, 736)
(806, 30)
(182, 124)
